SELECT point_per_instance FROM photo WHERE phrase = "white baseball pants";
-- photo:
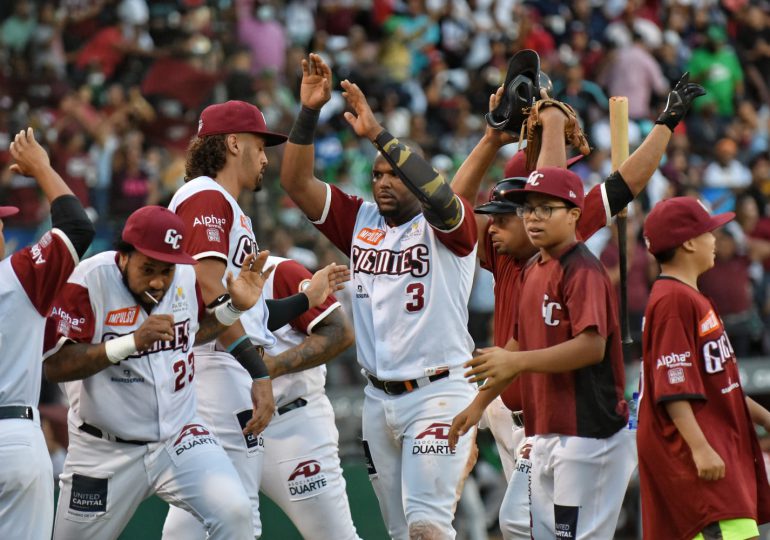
(26, 480)
(578, 484)
(416, 477)
(104, 482)
(224, 403)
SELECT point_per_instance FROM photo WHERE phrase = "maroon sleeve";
(490, 255)
(208, 218)
(596, 213)
(672, 356)
(289, 278)
(462, 239)
(588, 297)
(339, 219)
(71, 317)
(44, 267)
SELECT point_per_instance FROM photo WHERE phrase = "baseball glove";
(532, 130)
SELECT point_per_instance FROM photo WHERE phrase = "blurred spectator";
(715, 65)
(633, 72)
(17, 30)
(724, 174)
(263, 33)
(729, 287)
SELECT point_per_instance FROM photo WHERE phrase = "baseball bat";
(618, 154)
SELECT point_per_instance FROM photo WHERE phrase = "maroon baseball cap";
(236, 117)
(6, 211)
(674, 221)
(517, 164)
(158, 233)
(553, 181)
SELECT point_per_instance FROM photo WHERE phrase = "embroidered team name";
(122, 317)
(709, 323)
(371, 236)
(413, 260)
(181, 340)
(433, 440)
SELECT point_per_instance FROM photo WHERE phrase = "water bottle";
(633, 411)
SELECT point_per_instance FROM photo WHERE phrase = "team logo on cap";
(200, 125)
(534, 178)
(172, 238)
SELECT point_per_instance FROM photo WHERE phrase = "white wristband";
(120, 348)
(227, 313)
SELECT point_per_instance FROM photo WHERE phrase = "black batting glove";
(679, 101)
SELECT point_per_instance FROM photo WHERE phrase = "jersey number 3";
(183, 374)
(416, 293)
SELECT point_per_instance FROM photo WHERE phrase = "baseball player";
(226, 158)
(120, 336)
(301, 470)
(696, 434)
(570, 363)
(29, 280)
(412, 260)
(504, 249)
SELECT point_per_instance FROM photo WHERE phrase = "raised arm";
(441, 207)
(297, 177)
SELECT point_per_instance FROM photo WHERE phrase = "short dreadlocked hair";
(206, 156)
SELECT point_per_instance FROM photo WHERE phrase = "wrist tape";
(303, 130)
(224, 310)
(120, 348)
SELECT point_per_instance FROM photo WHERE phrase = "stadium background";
(114, 88)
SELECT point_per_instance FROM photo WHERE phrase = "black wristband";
(250, 357)
(303, 130)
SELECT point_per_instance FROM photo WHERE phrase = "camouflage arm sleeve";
(440, 206)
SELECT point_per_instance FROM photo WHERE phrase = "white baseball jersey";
(150, 395)
(411, 285)
(29, 281)
(217, 227)
(289, 278)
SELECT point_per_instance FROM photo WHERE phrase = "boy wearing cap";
(29, 281)
(570, 364)
(120, 336)
(696, 433)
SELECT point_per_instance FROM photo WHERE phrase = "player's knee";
(425, 530)
(237, 512)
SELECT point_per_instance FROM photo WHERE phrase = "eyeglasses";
(541, 211)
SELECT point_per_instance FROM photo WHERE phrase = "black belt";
(296, 404)
(396, 388)
(518, 418)
(16, 411)
(96, 432)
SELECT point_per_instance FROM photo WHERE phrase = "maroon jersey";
(687, 356)
(506, 269)
(559, 299)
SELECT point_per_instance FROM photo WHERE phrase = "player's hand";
(316, 88)
(326, 281)
(464, 422)
(494, 365)
(498, 136)
(247, 287)
(679, 101)
(31, 159)
(709, 464)
(362, 118)
(264, 406)
(155, 328)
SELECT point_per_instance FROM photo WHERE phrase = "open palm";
(246, 289)
(316, 86)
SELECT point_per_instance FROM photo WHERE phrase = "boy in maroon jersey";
(701, 470)
(570, 365)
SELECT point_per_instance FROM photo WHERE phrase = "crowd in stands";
(114, 89)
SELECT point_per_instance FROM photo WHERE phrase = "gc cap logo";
(534, 178)
(172, 238)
